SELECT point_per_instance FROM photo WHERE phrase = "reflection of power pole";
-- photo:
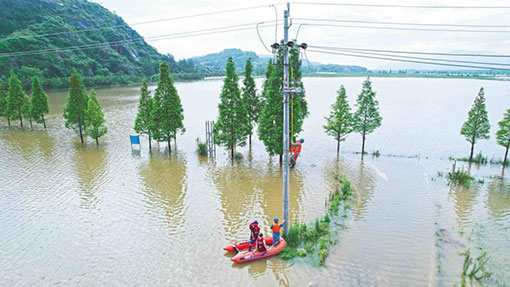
(285, 93)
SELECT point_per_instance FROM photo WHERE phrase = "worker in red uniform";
(296, 150)
(254, 233)
(261, 243)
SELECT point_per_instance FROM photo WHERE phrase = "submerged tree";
(17, 100)
(26, 111)
(270, 128)
(94, 118)
(503, 134)
(77, 103)
(298, 105)
(143, 118)
(3, 105)
(233, 124)
(167, 113)
(39, 103)
(250, 98)
(367, 118)
(477, 125)
(339, 122)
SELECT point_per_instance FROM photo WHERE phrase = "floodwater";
(81, 215)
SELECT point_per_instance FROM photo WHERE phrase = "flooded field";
(81, 215)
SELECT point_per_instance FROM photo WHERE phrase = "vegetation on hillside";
(214, 64)
(76, 23)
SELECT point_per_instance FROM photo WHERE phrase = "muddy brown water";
(82, 215)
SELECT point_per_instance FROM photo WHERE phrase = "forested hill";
(215, 63)
(111, 64)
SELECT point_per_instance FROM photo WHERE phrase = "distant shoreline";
(315, 75)
(388, 75)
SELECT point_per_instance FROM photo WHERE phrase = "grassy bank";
(314, 239)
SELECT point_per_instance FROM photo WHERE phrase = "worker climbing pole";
(287, 93)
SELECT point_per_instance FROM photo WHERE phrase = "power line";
(142, 23)
(201, 32)
(417, 53)
(409, 29)
(403, 23)
(116, 42)
(260, 37)
(400, 6)
(419, 58)
(407, 61)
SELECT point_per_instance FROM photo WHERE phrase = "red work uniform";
(296, 149)
(260, 244)
(255, 229)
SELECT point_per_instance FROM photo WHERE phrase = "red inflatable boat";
(244, 255)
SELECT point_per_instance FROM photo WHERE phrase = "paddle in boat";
(243, 255)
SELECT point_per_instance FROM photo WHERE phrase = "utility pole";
(286, 93)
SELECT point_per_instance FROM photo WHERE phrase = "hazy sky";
(133, 11)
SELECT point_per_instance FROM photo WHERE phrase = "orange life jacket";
(276, 227)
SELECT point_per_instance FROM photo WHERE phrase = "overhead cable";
(141, 23)
(404, 60)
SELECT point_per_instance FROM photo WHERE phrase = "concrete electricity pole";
(286, 93)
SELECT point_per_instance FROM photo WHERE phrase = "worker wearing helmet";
(296, 150)
(275, 227)
(254, 233)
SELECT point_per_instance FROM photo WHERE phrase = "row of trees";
(241, 109)
(83, 112)
(341, 122)
(160, 117)
(15, 104)
(477, 126)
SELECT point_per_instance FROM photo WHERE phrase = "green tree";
(271, 131)
(167, 113)
(3, 105)
(250, 98)
(367, 118)
(503, 134)
(298, 104)
(77, 103)
(26, 111)
(339, 123)
(270, 127)
(233, 125)
(94, 118)
(143, 118)
(16, 99)
(39, 103)
(477, 125)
